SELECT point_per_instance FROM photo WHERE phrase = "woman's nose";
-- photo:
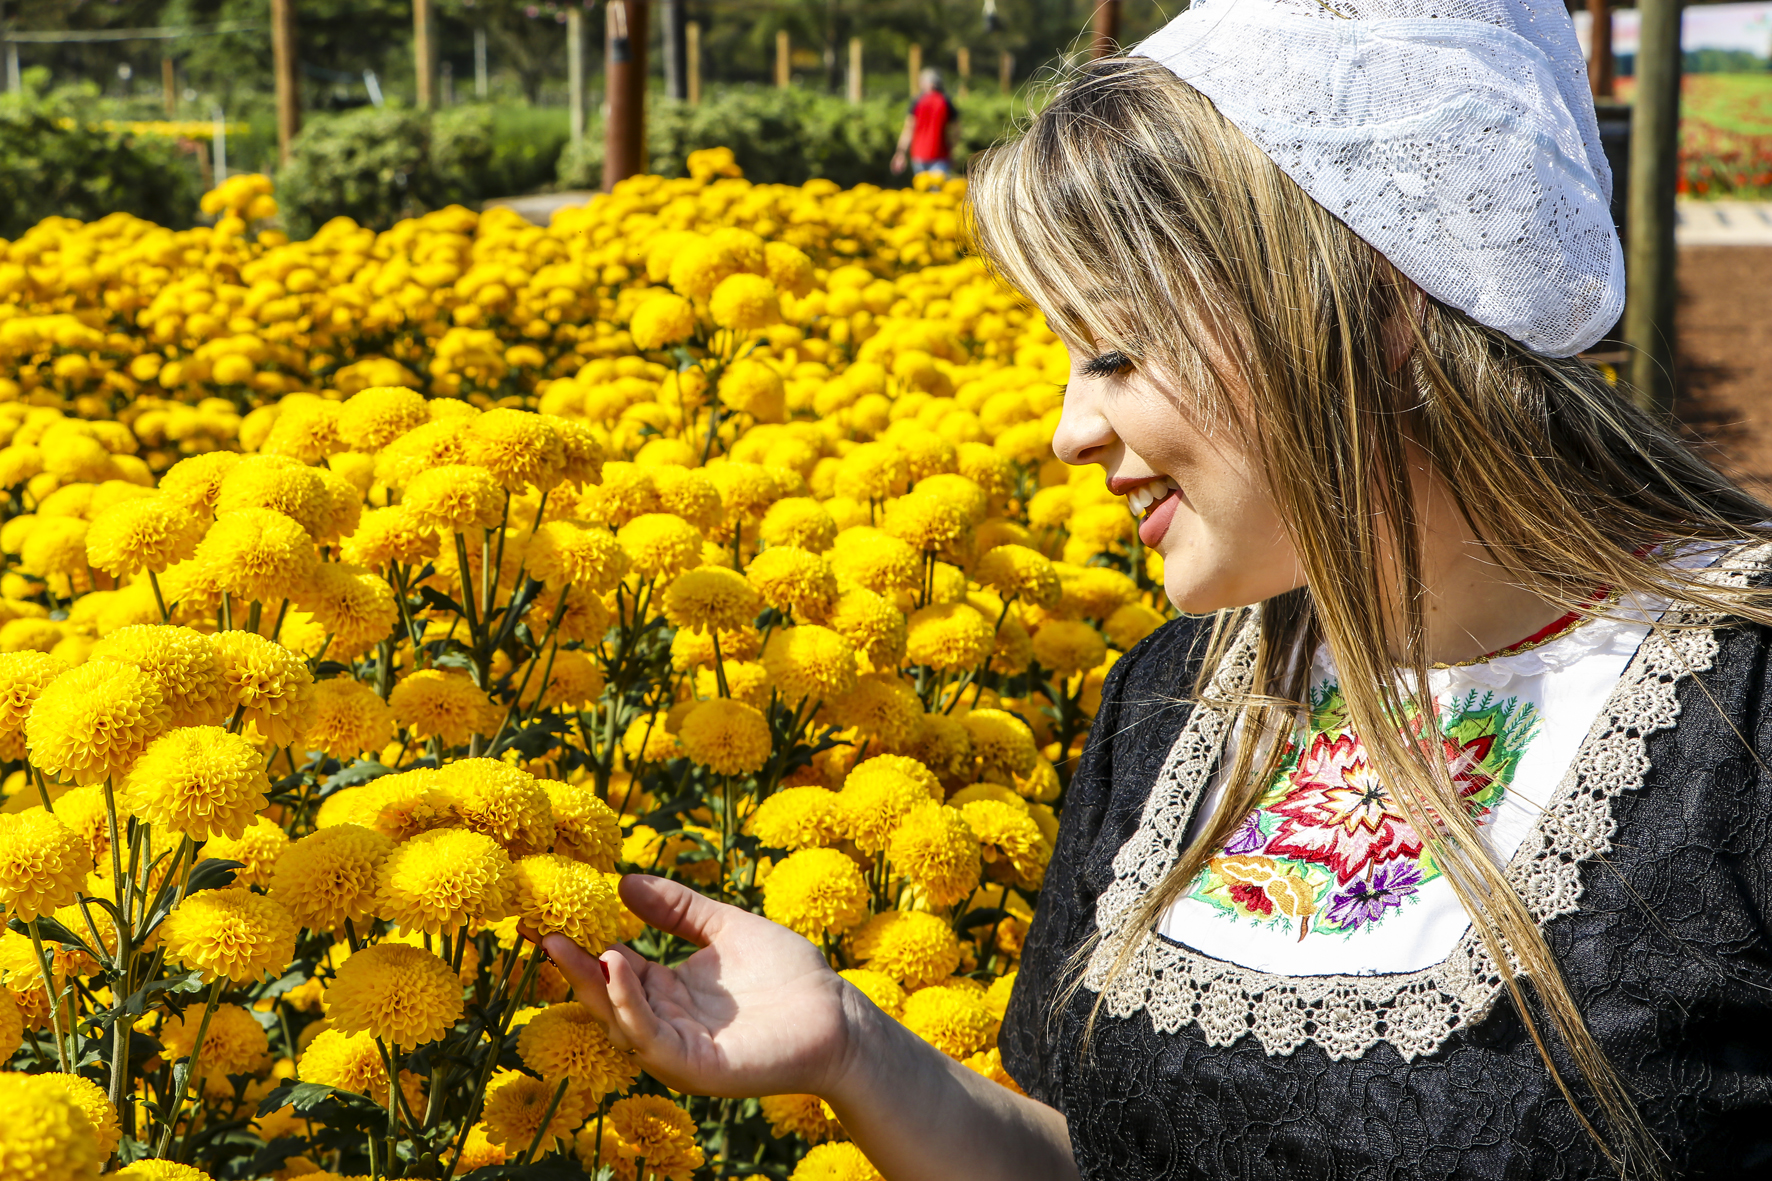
(1084, 434)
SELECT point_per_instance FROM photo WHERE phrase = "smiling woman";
(1433, 845)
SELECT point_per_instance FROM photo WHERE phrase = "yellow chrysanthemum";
(504, 802)
(479, 1152)
(659, 1131)
(799, 1115)
(798, 818)
(817, 892)
(385, 536)
(520, 449)
(198, 781)
(874, 804)
(794, 580)
(258, 850)
(268, 681)
(454, 498)
(441, 879)
(1003, 743)
(258, 554)
(397, 806)
(575, 681)
(711, 597)
(1011, 841)
(45, 1136)
(231, 932)
(350, 1062)
(728, 737)
(329, 877)
(280, 485)
(751, 387)
(516, 1103)
(562, 552)
(835, 1162)
(356, 607)
(446, 705)
(1068, 646)
(42, 863)
(147, 534)
(1016, 571)
(810, 662)
(911, 946)
(371, 419)
(936, 851)
(662, 319)
(23, 677)
(660, 545)
(949, 637)
(92, 1101)
(234, 1043)
(744, 302)
(566, 1041)
(92, 721)
(404, 995)
(182, 662)
(878, 987)
(346, 718)
(928, 521)
(554, 893)
(953, 1020)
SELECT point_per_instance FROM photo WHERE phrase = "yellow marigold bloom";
(1010, 840)
(182, 663)
(591, 560)
(1093, 592)
(355, 606)
(271, 683)
(876, 803)
(350, 1062)
(875, 559)
(330, 876)
(650, 739)
(93, 720)
(56, 547)
(83, 810)
(798, 818)
(660, 545)
(583, 453)
(23, 677)
(557, 894)
(1068, 646)
(346, 718)
(688, 493)
(746, 681)
(953, 1020)
(585, 828)
(876, 627)
(882, 707)
(12, 1025)
(728, 737)
(258, 554)
(753, 388)
(520, 449)
(92, 1101)
(504, 802)
(817, 892)
(147, 534)
(42, 863)
(949, 637)
(1003, 743)
(898, 765)
(660, 1132)
(989, 1063)
(695, 649)
(32, 635)
(371, 419)
(878, 987)
(911, 946)
(258, 849)
(799, 1115)
(575, 681)
(927, 521)
(234, 1043)
(565, 1041)
(344, 505)
(711, 597)
(1016, 571)
(280, 485)
(799, 521)
(439, 880)
(1130, 624)
(385, 536)
(231, 932)
(746, 490)
(944, 746)
(662, 319)
(435, 444)
(872, 472)
(627, 491)
(794, 580)
(935, 849)
(166, 1170)
(46, 1136)
(479, 1152)
(445, 705)
(454, 498)
(810, 662)
(577, 615)
(745, 303)
(404, 995)
(397, 806)
(195, 483)
(842, 1161)
(517, 1102)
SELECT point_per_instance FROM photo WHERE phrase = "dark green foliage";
(57, 161)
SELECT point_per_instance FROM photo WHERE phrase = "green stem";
(547, 1117)
(184, 1087)
(55, 1022)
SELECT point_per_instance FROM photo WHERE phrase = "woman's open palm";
(756, 1011)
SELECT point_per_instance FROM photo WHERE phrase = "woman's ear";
(1398, 331)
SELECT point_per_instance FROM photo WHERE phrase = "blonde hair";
(1140, 220)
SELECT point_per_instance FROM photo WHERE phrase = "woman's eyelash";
(1108, 364)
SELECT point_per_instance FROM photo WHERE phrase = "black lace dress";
(1666, 948)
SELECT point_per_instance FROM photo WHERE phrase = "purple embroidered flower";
(1248, 837)
(1366, 901)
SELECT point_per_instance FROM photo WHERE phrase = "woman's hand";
(757, 1011)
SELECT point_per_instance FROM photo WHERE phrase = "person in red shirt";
(930, 128)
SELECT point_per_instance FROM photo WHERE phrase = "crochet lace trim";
(1414, 1011)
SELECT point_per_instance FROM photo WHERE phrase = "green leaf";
(213, 873)
(52, 932)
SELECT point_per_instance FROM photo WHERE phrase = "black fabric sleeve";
(1144, 703)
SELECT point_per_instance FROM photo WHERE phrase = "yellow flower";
(1068, 646)
(799, 1115)
(949, 637)
(258, 554)
(817, 892)
(182, 663)
(454, 498)
(231, 932)
(92, 721)
(835, 1162)
(439, 880)
(566, 1041)
(660, 1132)
(445, 705)
(46, 1136)
(371, 419)
(798, 818)
(744, 303)
(257, 849)
(385, 536)
(1016, 571)
(799, 521)
(479, 1152)
(397, 806)
(404, 995)
(268, 681)
(56, 547)
(554, 893)
(928, 521)
(627, 491)
(711, 597)
(1012, 843)
(520, 449)
(794, 580)
(198, 781)
(911, 946)
(810, 662)
(234, 1043)
(878, 987)
(746, 490)
(1130, 624)
(935, 849)
(23, 677)
(347, 718)
(660, 545)
(423, 448)
(575, 681)
(874, 803)
(330, 876)
(91, 1099)
(882, 707)
(278, 484)
(591, 560)
(165, 1170)
(517, 1102)
(663, 319)
(356, 608)
(728, 737)
(876, 627)
(506, 803)
(953, 1020)
(42, 863)
(147, 534)
(350, 1062)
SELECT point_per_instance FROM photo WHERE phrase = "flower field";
(367, 597)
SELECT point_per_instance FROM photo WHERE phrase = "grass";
(1725, 135)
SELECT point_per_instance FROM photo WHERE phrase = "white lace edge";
(1413, 1011)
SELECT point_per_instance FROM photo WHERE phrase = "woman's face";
(1199, 498)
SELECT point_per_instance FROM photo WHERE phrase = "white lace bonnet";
(1457, 137)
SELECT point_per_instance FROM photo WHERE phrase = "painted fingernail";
(605, 969)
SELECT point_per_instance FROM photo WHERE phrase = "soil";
(1723, 371)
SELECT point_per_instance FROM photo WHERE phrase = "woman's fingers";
(627, 997)
(675, 909)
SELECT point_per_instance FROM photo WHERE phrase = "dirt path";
(1724, 371)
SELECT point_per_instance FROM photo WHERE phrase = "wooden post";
(283, 70)
(424, 53)
(481, 82)
(855, 77)
(1654, 167)
(1006, 72)
(692, 55)
(1599, 59)
(625, 104)
(783, 68)
(1105, 38)
(675, 82)
(575, 74)
(963, 65)
(916, 67)
(168, 84)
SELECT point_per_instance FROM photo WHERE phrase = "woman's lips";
(1156, 521)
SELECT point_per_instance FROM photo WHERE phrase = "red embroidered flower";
(1252, 897)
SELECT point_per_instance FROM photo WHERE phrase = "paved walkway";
(1723, 223)
(540, 207)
